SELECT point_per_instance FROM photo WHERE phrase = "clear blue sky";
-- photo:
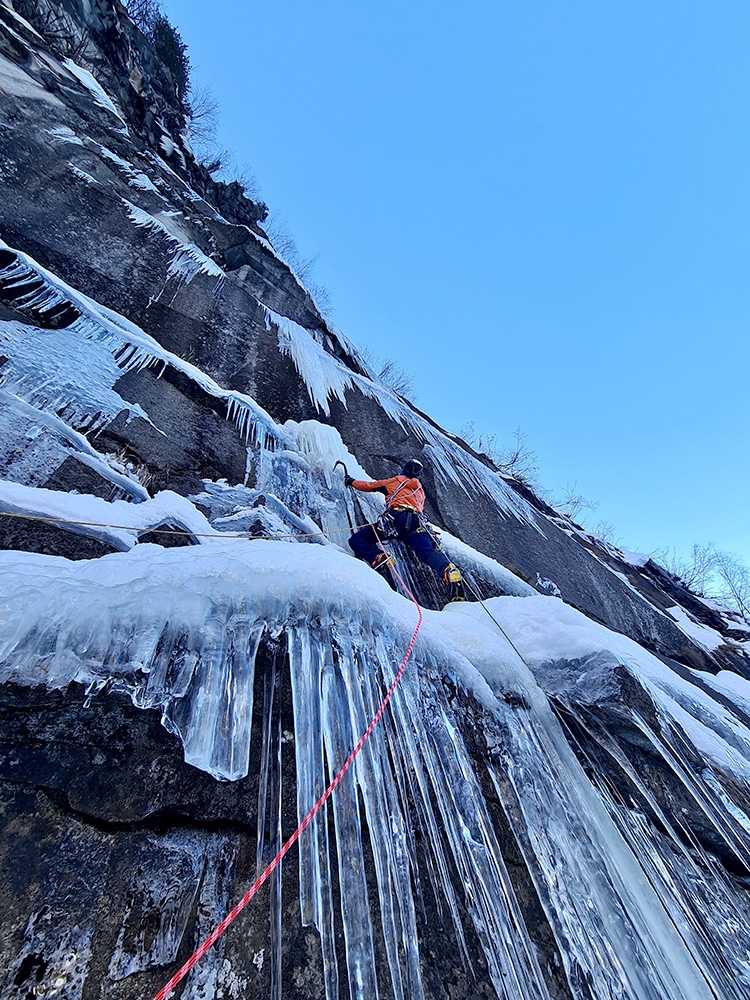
(540, 210)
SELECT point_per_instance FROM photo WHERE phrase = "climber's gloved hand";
(348, 480)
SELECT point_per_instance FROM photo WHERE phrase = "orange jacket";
(400, 491)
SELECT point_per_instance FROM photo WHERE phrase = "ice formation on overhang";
(96, 338)
(180, 630)
(326, 377)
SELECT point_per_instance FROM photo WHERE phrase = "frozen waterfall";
(179, 630)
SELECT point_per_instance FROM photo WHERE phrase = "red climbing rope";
(230, 917)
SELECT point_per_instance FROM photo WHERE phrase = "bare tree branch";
(573, 503)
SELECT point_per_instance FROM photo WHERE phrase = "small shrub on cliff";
(143, 13)
(170, 48)
(173, 53)
(713, 573)
(517, 460)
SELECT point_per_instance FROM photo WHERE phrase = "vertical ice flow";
(180, 630)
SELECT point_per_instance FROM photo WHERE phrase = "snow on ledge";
(118, 522)
(547, 632)
(93, 86)
(637, 559)
(705, 637)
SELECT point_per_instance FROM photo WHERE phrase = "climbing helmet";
(413, 468)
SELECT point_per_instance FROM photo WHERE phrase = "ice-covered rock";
(555, 803)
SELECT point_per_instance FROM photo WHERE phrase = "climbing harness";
(431, 530)
(265, 875)
(386, 526)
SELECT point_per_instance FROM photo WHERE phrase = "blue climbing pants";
(364, 543)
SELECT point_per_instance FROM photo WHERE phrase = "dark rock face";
(197, 439)
(99, 809)
(74, 475)
(99, 787)
(200, 345)
(49, 539)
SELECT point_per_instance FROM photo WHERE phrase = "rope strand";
(178, 531)
(265, 875)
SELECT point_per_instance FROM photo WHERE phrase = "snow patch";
(17, 83)
(82, 175)
(702, 635)
(188, 259)
(735, 687)
(544, 630)
(93, 86)
(542, 583)
(637, 559)
(118, 523)
(136, 178)
(61, 133)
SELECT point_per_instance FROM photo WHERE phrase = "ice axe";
(346, 476)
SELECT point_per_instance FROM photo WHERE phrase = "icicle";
(614, 932)
(188, 260)
(104, 344)
(215, 722)
(339, 737)
(678, 874)
(181, 629)
(269, 814)
(316, 900)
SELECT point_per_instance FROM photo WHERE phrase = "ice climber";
(405, 520)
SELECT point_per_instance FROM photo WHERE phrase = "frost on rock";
(180, 631)
(188, 260)
(136, 178)
(58, 931)
(165, 881)
(63, 133)
(17, 83)
(704, 636)
(96, 90)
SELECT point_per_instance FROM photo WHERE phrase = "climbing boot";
(454, 583)
(383, 562)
